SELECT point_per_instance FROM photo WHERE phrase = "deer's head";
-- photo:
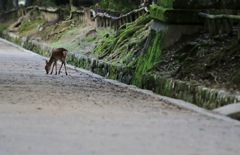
(47, 67)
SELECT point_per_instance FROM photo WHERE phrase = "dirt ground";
(202, 59)
(84, 114)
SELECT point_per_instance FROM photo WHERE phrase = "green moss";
(3, 27)
(125, 35)
(104, 47)
(27, 26)
(120, 48)
(46, 3)
(198, 95)
(150, 57)
(165, 3)
(122, 6)
(158, 12)
(174, 15)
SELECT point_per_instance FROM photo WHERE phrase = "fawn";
(57, 54)
(91, 33)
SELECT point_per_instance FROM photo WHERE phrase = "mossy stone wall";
(198, 95)
(117, 72)
(200, 4)
(175, 16)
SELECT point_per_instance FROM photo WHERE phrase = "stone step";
(231, 110)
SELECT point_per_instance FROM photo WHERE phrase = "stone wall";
(200, 4)
(50, 14)
(198, 95)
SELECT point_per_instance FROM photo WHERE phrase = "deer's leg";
(55, 62)
(52, 68)
(65, 68)
(60, 68)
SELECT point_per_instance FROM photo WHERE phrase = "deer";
(92, 33)
(57, 54)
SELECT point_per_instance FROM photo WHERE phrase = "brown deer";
(92, 33)
(57, 54)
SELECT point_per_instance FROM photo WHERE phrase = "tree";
(15, 3)
(71, 5)
(6, 5)
(1, 6)
(29, 2)
(62, 2)
(119, 6)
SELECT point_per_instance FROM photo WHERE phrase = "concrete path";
(81, 114)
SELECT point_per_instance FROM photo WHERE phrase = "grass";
(3, 27)
(27, 26)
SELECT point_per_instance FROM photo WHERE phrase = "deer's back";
(91, 33)
(59, 53)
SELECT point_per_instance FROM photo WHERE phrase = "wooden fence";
(103, 19)
(221, 23)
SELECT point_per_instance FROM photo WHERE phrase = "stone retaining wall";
(198, 95)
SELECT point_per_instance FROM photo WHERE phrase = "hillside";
(204, 60)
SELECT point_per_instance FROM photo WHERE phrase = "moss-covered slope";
(125, 45)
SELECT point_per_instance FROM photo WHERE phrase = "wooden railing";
(103, 19)
(221, 23)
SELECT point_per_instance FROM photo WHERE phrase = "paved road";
(81, 114)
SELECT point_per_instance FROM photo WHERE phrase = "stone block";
(231, 110)
(200, 4)
(175, 16)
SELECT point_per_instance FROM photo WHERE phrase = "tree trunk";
(28, 2)
(7, 5)
(1, 6)
(15, 3)
(72, 8)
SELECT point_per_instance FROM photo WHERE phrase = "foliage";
(3, 27)
(150, 56)
(47, 3)
(116, 5)
(6, 5)
(123, 46)
(29, 25)
(165, 3)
